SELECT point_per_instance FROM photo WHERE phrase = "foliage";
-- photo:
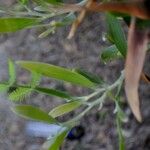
(50, 15)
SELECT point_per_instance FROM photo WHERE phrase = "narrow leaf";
(56, 72)
(4, 87)
(34, 113)
(65, 108)
(116, 33)
(110, 53)
(55, 142)
(137, 45)
(12, 73)
(15, 24)
(35, 79)
(92, 77)
(45, 2)
(139, 9)
(53, 92)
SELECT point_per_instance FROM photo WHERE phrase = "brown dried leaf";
(139, 9)
(145, 77)
(137, 45)
(79, 19)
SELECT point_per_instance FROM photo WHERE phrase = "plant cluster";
(52, 14)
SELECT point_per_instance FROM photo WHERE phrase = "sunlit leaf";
(3, 87)
(34, 113)
(24, 2)
(15, 24)
(43, 2)
(56, 72)
(55, 142)
(12, 72)
(65, 108)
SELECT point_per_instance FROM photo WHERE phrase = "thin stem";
(97, 92)
(119, 130)
(77, 118)
(99, 100)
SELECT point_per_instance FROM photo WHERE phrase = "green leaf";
(56, 72)
(92, 77)
(142, 24)
(53, 1)
(35, 79)
(55, 142)
(116, 33)
(15, 24)
(44, 2)
(110, 53)
(4, 87)
(34, 113)
(122, 116)
(24, 2)
(53, 92)
(23, 91)
(65, 108)
(12, 72)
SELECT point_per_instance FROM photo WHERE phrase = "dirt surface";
(82, 51)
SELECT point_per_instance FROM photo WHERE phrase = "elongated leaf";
(65, 108)
(55, 142)
(34, 113)
(92, 77)
(43, 90)
(24, 2)
(44, 2)
(116, 33)
(139, 9)
(137, 45)
(3, 87)
(15, 24)
(56, 72)
(122, 116)
(12, 73)
(110, 53)
(53, 92)
(35, 81)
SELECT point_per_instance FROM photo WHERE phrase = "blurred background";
(81, 52)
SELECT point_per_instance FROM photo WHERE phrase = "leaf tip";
(133, 100)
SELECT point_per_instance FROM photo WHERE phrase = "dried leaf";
(137, 45)
(79, 19)
(139, 9)
(145, 77)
